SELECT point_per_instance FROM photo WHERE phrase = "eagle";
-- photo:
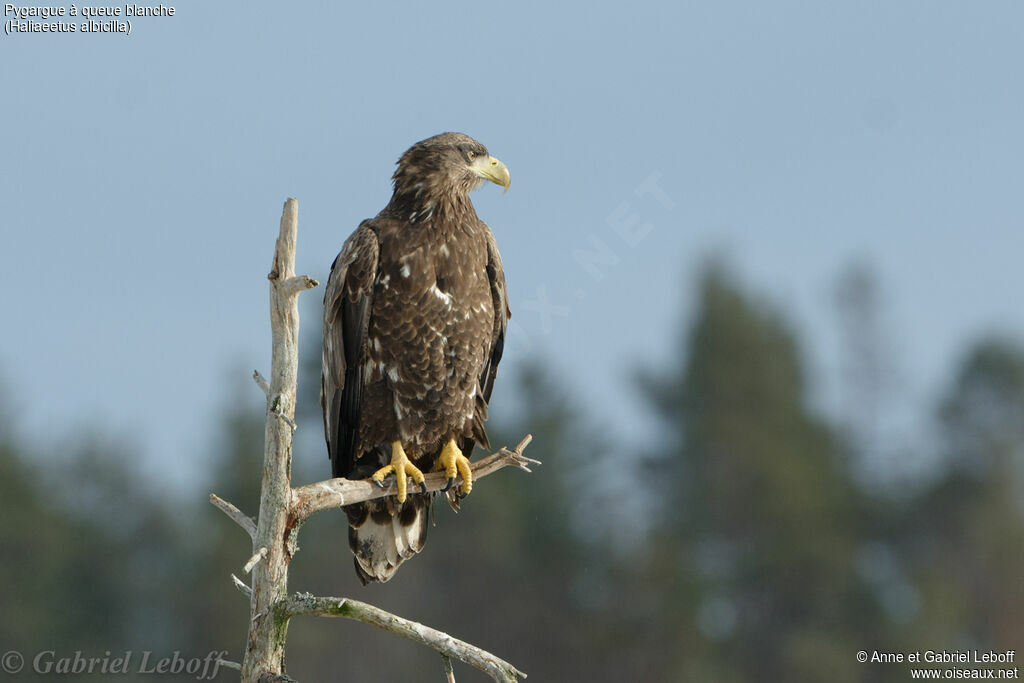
(415, 314)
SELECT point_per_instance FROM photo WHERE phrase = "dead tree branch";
(449, 672)
(237, 516)
(261, 382)
(496, 668)
(254, 560)
(333, 493)
(240, 585)
(283, 509)
(265, 649)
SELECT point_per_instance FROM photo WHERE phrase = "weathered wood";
(265, 650)
(496, 668)
(237, 516)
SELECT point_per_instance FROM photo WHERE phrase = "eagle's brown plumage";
(414, 327)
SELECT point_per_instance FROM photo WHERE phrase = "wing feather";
(348, 301)
(502, 313)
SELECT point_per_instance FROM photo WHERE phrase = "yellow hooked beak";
(491, 169)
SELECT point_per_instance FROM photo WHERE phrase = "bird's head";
(445, 165)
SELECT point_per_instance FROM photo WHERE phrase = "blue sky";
(142, 178)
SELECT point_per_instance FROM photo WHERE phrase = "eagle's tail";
(383, 533)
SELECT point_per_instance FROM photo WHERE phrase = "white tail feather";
(389, 535)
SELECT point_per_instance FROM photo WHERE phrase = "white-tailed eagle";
(414, 327)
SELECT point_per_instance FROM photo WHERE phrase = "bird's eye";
(471, 154)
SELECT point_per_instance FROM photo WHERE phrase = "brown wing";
(496, 276)
(347, 303)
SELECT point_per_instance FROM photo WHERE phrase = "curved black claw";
(423, 487)
(387, 479)
(451, 482)
(460, 495)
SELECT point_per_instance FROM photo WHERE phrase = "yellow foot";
(453, 462)
(402, 468)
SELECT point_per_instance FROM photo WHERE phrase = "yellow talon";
(452, 461)
(402, 467)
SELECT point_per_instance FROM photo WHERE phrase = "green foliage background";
(753, 539)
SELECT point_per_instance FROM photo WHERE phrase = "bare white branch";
(293, 285)
(261, 382)
(333, 493)
(449, 672)
(282, 408)
(228, 664)
(259, 555)
(264, 654)
(240, 585)
(237, 516)
(496, 668)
